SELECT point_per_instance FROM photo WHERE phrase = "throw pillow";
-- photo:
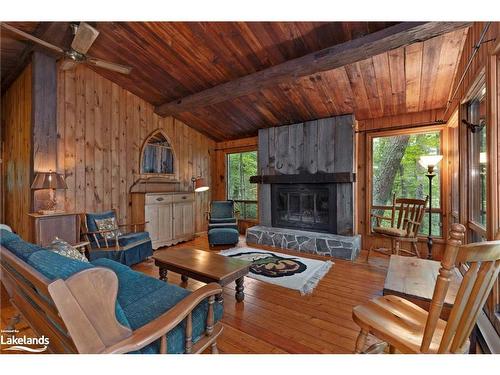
(61, 247)
(108, 224)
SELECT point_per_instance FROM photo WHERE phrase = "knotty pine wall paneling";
(101, 129)
(16, 153)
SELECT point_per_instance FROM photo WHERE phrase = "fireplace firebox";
(304, 206)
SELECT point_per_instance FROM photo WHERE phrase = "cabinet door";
(178, 220)
(165, 222)
(151, 215)
(188, 217)
(183, 219)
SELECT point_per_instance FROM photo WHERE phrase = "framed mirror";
(157, 156)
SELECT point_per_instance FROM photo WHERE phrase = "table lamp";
(52, 181)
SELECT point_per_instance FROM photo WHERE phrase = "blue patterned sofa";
(127, 248)
(104, 306)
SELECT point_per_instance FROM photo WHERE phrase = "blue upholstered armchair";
(111, 240)
(222, 224)
(222, 214)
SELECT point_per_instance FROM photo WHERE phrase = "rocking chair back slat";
(406, 216)
(483, 260)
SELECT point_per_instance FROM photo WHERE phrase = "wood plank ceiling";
(171, 60)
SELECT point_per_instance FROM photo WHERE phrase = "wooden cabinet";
(170, 216)
(65, 225)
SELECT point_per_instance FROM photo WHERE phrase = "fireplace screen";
(304, 206)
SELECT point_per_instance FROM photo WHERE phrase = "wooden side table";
(414, 279)
(65, 225)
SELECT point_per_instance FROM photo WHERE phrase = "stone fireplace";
(306, 193)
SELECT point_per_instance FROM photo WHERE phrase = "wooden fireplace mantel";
(305, 178)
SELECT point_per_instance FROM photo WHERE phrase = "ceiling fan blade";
(68, 64)
(32, 38)
(84, 37)
(124, 69)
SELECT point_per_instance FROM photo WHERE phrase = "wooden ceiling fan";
(84, 37)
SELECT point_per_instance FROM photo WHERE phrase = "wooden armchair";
(405, 219)
(77, 315)
(127, 247)
(408, 328)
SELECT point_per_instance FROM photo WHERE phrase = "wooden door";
(151, 216)
(165, 222)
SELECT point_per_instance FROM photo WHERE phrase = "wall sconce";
(52, 181)
(199, 184)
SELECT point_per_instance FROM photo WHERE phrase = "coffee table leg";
(163, 274)
(239, 289)
(184, 278)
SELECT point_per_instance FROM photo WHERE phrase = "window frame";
(242, 201)
(486, 78)
(442, 210)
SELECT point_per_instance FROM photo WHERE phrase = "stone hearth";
(334, 245)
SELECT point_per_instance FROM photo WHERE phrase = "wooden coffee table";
(203, 266)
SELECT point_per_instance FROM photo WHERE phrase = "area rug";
(289, 271)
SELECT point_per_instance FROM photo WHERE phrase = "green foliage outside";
(240, 167)
(396, 169)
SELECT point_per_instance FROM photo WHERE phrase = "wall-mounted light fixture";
(199, 184)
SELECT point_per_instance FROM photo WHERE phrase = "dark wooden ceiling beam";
(330, 58)
(55, 32)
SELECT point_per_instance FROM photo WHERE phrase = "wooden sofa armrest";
(159, 327)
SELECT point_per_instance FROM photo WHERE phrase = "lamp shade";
(200, 185)
(48, 180)
(430, 160)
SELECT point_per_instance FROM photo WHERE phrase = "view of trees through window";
(240, 167)
(396, 170)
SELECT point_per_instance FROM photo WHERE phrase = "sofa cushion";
(92, 216)
(92, 225)
(129, 256)
(130, 238)
(144, 298)
(108, 263)
(222, 209)
(61, 247)
(223, 236)
(7, 236)
(55, 266)
(395, 232)
(20, 248)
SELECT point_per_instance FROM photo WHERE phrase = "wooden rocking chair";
(407, 328)
(404, 228)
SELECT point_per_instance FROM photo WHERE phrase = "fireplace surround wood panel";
(319, 152)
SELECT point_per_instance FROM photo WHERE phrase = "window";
(476, 119)
(396, 170)
(476, 122)
(157, 155)
(240, 167)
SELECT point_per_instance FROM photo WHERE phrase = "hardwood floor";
(273, 319)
